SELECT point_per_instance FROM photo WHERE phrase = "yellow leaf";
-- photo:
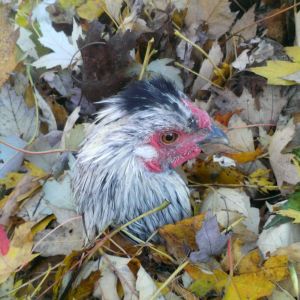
(8, 38)
(275, 70)
(63, 269)
(210, 172)
(247, 287)
(204, 282)
(42, 224)
(181, 235)
(244, 157)
(11, 179)
(293, 53)
(291, 213)
(276, 268)
(250, 262)
(34, 170)
(19, 253)
(260, 177)
(91, 10)
(70, 3)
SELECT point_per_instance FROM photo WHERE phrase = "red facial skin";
(184, 148)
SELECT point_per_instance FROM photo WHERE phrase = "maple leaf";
(19, 252)
(64, 52)
(283, 168)
(215, 13)
(209, 239)
(15, 117)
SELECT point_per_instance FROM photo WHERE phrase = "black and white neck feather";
(111, 184)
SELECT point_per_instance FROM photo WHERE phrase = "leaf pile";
(238, 60)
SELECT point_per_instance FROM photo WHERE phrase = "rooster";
(127, 163)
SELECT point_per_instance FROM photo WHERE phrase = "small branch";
(180, 35)
(169, 280)
(197, 74)
(28, 152)
(147, 58)
(36, 131)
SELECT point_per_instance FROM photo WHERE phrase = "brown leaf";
(180, 237)
(24, 186)
(104, 63)
(283, 167)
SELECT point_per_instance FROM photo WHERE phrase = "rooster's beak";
(216, 136)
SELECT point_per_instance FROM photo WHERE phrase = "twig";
(36, 131)
(168, 281)
(197, 74)
(180, 35)
(41, 282)
(107, 237)
(28, 152)
(147, 58)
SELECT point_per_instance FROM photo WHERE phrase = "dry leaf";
(245, 27)
(207, 69)
(19, 252)
(291, 213)
(283, 168)
(215, 14)
(181, 236)
(8, 38)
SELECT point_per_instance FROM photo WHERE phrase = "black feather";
(140, 95)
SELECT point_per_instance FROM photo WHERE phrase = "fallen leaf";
(25, 185)
(240, 137)
(207, 69)
(68, 237)
(244, 157)
(293, 53)
(180, 237)
(15, 117)
(209, 171)
(215, 14)
(232, 200)
(45, 142)
(261, 178)
(10, 159)
(64, 53)
(263, 107)
(277, 237)
(113, 267)
(91, 10)
(19, 252)
(291, 213)
(145, 285)
(8, 37)
(276, 70)
(204, 282)
(245, 27)
(292, 251)
(247, 286)
(26, 44)
(283, 168)
(210, 240)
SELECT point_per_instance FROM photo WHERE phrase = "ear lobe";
(146, 152)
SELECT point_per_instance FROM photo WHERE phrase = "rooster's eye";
(169, 137)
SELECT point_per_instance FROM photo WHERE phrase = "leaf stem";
(197, 74)
(36, 131)
(180, 35)
(147, 58)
